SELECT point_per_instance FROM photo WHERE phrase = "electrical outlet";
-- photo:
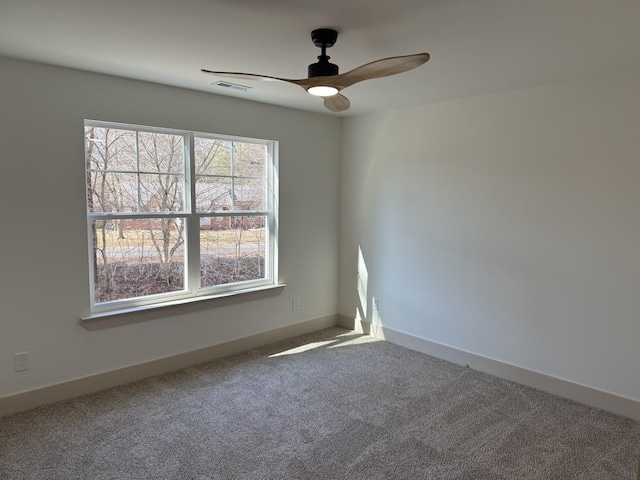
(295, 304)
(21, 361)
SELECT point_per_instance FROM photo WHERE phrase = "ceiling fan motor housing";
(323, 38)
(322, 69)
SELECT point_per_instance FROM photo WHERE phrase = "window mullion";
(139, 186)
(233, 174)
(193, 220)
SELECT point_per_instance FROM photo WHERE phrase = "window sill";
(126, 316)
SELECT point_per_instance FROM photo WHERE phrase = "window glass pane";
(232, 249)
(112, 192)
(249, 159)
(213, 193)
(136, 257)
(212, 157)
(110, 149)
(249, 194)
(161, 152)
(161, 193)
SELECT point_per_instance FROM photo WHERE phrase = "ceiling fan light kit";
(322, 91)
(324, 79)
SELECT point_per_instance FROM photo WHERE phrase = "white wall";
(43, 251)
(505, 225)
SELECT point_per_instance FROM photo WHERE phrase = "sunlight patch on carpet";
(303, 348)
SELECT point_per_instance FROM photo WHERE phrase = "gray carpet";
(342, 406)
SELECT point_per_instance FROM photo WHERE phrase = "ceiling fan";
(323, 77)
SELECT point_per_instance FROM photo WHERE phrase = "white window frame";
(192, 288)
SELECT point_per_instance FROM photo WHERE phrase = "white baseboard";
(611, 402)
(619, 405)
(73, 388)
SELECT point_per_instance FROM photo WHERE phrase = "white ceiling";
(476, 46)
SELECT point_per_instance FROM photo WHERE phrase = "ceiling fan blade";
(337, 103)
(251, 76)
(380, 68)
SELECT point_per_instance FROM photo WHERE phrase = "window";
(174, 214)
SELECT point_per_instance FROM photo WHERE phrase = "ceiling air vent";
(232, 86)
